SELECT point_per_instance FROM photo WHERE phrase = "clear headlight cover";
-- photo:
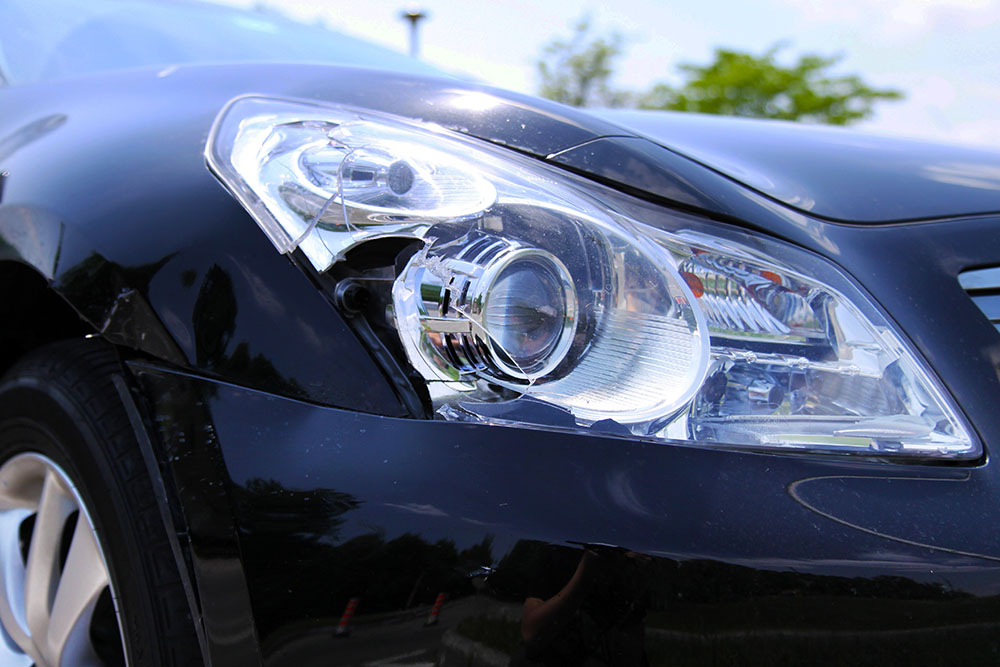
(533, 301)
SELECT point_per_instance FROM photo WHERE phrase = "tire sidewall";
(39, 416)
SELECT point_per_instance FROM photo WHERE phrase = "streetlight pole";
(414, 16)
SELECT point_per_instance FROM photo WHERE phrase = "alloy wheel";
(56, 602)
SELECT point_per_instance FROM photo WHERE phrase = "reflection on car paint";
(332, 506)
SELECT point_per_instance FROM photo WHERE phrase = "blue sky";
(944, 54)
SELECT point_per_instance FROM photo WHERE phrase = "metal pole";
(414, 16)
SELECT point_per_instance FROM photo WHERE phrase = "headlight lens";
(534, 301)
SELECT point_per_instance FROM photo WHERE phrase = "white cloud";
(980, 132)
(948, 107)
(899, 20)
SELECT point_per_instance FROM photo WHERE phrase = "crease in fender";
(793, 491)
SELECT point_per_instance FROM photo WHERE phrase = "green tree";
(578, 70)
(736, 83)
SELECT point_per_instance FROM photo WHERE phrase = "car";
(315, 355)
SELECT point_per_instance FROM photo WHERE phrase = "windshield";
(54, 39)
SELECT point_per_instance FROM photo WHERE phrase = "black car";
(360, 363)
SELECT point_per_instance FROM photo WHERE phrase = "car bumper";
(290, 510)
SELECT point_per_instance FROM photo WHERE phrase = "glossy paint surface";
(831, 172)
(706, 555)
(297, 484)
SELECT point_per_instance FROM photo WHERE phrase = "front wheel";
(86, 572)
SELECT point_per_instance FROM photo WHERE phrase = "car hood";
(714, 165)
(830, 172)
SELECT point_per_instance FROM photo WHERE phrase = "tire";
(75, 494)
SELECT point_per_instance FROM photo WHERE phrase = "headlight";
(535, 300)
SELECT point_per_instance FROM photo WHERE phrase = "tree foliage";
(742, 84)
(577, 71)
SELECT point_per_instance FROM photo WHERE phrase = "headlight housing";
(534, 300)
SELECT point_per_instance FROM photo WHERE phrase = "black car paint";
(297, 478)
(831, 172)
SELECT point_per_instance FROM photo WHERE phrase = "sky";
(943, 54)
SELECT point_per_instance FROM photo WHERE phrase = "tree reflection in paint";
(295, 562)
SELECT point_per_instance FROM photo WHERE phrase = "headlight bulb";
(497, 307)
(528, 311)
(588, 323)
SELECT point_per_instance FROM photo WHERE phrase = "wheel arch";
(32, 313)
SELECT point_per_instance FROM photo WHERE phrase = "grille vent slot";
(983, 287)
